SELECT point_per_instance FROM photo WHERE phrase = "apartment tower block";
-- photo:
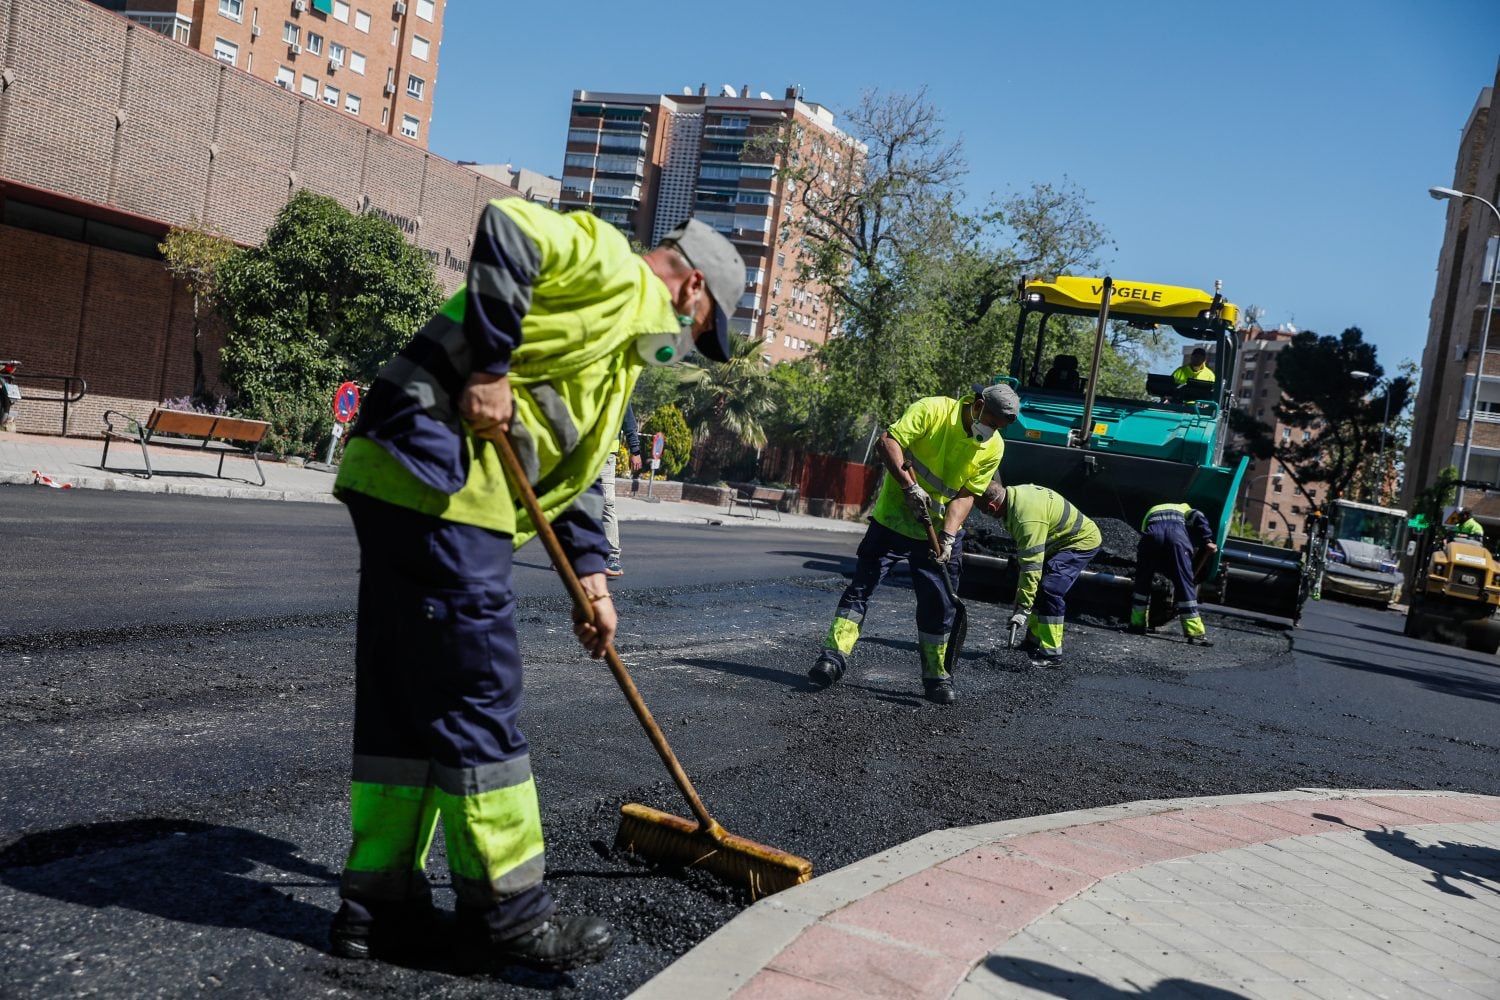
(647, 162)
(373, 59)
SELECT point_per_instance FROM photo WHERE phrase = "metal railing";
(68, 393)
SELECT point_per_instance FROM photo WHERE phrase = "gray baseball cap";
(706, 249)
(1000, 400)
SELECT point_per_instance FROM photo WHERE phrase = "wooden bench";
(759, 498)
(228, 434)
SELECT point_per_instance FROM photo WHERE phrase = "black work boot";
(939, 690)
(1199, 640)
(382, 930)
(1134, 630)
(829, 668)
(554, 945)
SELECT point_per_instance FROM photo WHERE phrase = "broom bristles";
(679, 843)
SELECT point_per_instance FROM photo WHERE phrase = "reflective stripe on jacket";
(1042, 522)
(1199, 531)
(554, 300)
(944, 459)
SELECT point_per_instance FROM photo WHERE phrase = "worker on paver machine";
(937, 458)
(1174, 539)
(1465, 524)
(1054, 543)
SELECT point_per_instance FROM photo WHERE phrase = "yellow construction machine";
(1455, 589)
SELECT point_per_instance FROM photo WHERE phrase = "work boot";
(382, 930)
(554, 945)
(939, 690)
(1041, 659)
(612, 567)
(1199, 640)
(1135, 630)
(829, 668)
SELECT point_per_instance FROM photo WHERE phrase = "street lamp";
(1385, 428)
(1441, 194)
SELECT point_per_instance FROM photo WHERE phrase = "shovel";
(960, 613)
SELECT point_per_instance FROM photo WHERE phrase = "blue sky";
(1285, 147)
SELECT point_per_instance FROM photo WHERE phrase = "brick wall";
(104, 112)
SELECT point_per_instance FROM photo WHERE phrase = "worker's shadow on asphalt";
(1461, 687)
(799, 682)
(1060, 982)
(822, 562)
(1450, 863)
(181, 870)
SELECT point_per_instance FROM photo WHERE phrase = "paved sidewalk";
(74, 462)
(1311, 893)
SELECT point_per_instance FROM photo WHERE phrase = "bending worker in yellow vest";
(543, 345)
(1054, 543)
(1171, 536)
(937, 457)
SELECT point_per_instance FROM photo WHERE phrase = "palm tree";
(732, 397)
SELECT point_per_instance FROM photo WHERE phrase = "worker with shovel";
(1175, 539)
(541, 348)
(1055, 542)
(937, 458)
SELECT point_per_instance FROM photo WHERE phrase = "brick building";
(111, 133)
(646, 162)
(1451, 359)
(375, 60)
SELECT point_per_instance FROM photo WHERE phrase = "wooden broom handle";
(585, 608)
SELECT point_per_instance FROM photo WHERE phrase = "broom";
(650, 833)
(960, 630)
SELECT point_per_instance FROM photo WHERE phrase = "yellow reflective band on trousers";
(1193, 627)
(842, 635)
(933, 654)
(494, 840)
(393, 827)
(1048, 632)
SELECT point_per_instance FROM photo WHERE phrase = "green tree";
(677, 443)
(732, 397)
(328, 296)
(193, 254)
(1345, 424)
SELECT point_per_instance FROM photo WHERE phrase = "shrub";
(678, 447)
(299, 425)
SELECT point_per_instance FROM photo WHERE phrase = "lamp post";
(1385, 428)
(1441, 194)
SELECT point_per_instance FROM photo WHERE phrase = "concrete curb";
(727, 961)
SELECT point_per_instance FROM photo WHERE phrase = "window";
(309, 86)
(385, 115)
(226, 51)
(357, 62)
(426, 9)
(409, 126)
(420, 47)
(331, 95)
(1307, 435)
(1275, 486)
(337, 53)
(362, 21)
(781, 260)
(315, 43)
(1271, 525)
(351, 103)
(285, 77)
(290, 33)
(395, 37)
(232, 9)
(415, 86)
(1286, 434)
(340, 11)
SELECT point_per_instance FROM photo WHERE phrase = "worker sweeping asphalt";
(938, 456)
(1173, 538)
(1054, 544)
(542, 346)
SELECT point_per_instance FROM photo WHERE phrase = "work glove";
(1018, 619)
(946, 541)
(918, 500)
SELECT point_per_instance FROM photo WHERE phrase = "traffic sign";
(346, 402)
(658, 445)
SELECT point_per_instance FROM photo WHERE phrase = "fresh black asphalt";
(174, 735)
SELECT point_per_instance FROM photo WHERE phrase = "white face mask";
(667, 348)
(982, 431)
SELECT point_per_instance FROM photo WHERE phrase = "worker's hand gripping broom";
(650, 833)
(960, 631)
